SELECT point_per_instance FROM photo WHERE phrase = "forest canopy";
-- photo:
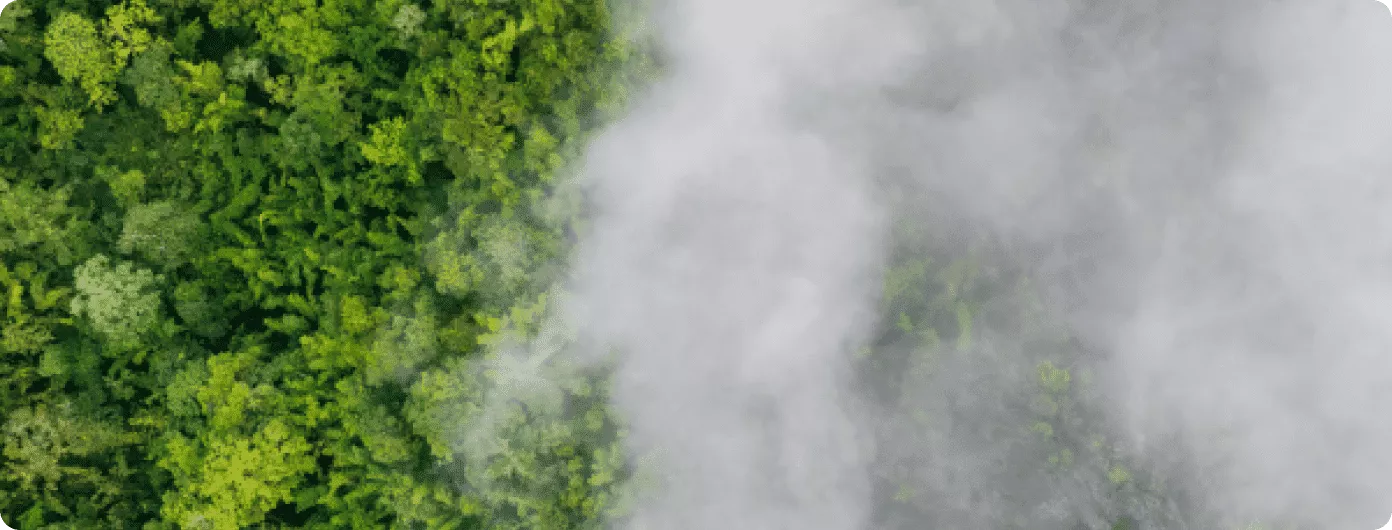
(251, 251)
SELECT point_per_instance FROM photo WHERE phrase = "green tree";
(36, 222)
(118, 300)
(234, 481)
(48, 460)
(162, 232)
(75, 47)
(93, 56)
(199, 311)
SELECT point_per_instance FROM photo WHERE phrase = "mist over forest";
(695, 264)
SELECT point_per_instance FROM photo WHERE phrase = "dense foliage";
(213, 215)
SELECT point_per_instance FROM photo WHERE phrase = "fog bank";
(1196, 189)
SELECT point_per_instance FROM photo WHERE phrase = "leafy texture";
(255, 258)
(119, 301)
